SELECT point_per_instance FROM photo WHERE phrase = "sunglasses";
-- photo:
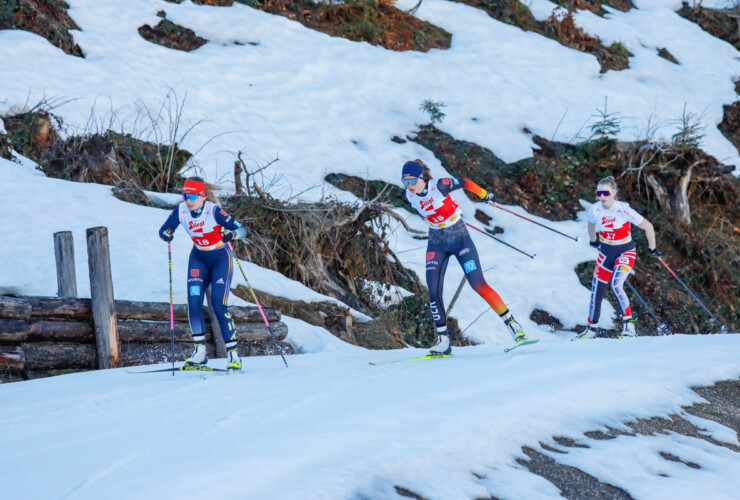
(191, 197)
(410, 182)
(603, 193)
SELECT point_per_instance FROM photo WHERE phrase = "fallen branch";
(387, 210)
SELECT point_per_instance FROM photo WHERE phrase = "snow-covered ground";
(331, 426)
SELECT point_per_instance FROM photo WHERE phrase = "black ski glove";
(595, 244)
(655, 253)
(166, 235)
(228, 236)
(489, 198)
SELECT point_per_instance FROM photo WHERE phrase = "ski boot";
(517, 332)
(515, 328)
(199, 356)
(233, 359)
(590, 332)
(628, 327)
(442, 347)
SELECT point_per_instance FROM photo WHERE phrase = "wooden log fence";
(44, 335)
(39, 334)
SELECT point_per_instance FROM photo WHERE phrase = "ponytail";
(210, 189)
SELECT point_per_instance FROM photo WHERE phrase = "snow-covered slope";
(333, 427)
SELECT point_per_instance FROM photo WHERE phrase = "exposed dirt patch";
(574, 484)
(730, 124)
(369, 190)
(663, 52)
(718, 22)
(376, 22)
(596, 6)
(46, 18)
(542, 317)
(723, 407)
(171, 35)
(543, 185)
(561, 28)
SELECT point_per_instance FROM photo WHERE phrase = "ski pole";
(259, 306)
(662, 328)
(577, 238)
(172, 311)
(722, 328)
(500, 241)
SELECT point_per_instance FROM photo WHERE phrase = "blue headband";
(412, 168)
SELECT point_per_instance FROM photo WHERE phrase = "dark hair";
(210, 188)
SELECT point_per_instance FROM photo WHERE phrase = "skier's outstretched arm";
(647, 226)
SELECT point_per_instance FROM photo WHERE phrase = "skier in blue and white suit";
(210, 264)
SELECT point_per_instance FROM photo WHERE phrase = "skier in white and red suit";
(610, 230)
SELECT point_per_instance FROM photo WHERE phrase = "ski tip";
(521, 343)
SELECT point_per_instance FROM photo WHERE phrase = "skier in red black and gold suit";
(448, 236)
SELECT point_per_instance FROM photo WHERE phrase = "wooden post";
(238, 176)
(101, 294)
(65, 256)
(218, 340)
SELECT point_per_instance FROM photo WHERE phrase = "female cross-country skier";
(448, 236)
(609, 220)
(210, 228)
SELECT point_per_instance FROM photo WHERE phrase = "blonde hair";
(609, 181)
(210, 189)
